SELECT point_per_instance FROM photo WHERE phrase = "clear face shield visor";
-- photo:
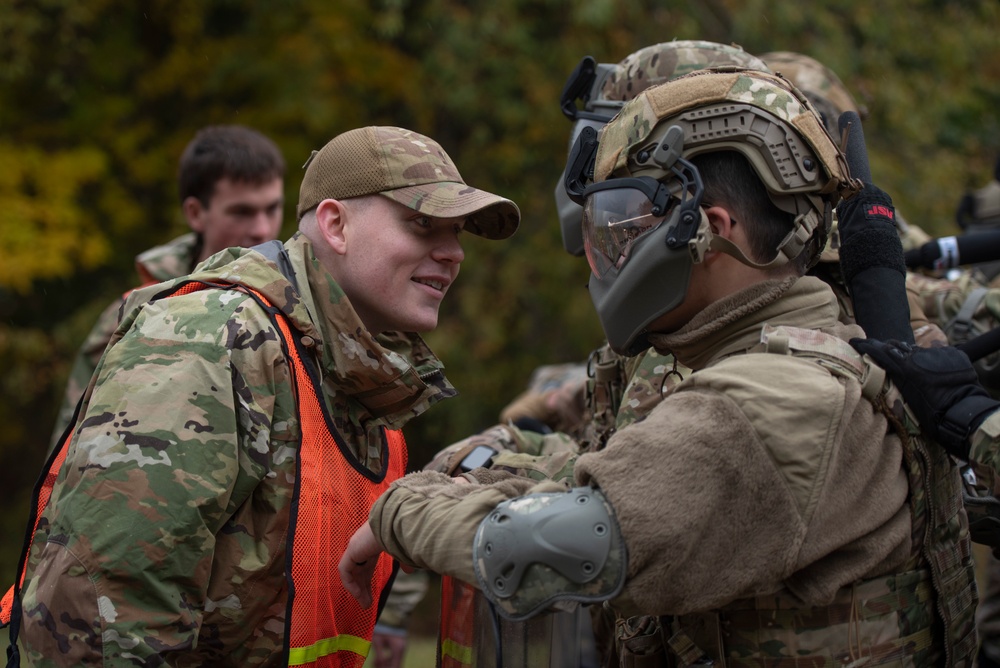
(620, 212)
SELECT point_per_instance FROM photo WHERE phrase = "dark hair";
(731, 181)
(235, 152)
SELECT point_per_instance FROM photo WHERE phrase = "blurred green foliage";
(99, 97)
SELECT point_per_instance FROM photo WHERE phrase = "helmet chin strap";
(790, 248)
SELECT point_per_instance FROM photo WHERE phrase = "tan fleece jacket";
(759, 473)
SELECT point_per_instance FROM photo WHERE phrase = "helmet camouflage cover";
(761, 115)
(819, 83)
(659, 63)
(649, 66)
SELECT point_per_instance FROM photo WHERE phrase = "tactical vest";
(325, 626)
(603, 396)
(622, 389)
(922, 616)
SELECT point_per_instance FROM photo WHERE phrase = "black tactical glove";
(871, 260)
(939, 385)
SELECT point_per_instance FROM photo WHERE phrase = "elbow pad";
(536, 551)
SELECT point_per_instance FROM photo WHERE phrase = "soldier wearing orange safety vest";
(241, 422)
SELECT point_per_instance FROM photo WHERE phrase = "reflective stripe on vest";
(457, 632)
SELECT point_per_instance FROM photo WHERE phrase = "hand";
(870, 208)
(939, 385)
(388, 648)
(357, 566)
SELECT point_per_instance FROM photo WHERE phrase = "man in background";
(231, 185)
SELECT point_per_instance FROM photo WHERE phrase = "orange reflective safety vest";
(457, 633)
(326, 627)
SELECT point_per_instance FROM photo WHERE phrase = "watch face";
(480, 456)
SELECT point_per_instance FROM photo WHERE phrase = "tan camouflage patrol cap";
(662, 62)
(409, 168)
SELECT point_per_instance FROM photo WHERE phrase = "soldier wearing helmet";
(778, 505)
(603, 89)
(569, 409)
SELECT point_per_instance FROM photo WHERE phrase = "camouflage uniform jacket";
(165, 538)
(758, 475)
(162, 263)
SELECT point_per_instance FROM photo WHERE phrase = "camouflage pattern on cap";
(635, 73)
(819, 83)
(409, 168)
(662, 62)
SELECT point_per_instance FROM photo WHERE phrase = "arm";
(520, 452)
(940, 385)
(170, 445)
(984, 451)
(705, 515)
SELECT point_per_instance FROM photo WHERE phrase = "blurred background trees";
(98, 98)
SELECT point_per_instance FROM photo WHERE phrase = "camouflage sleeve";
(176, 438)
(554, 397)
(984, 453)
(87, 358)
(556, 457)
(925, 332)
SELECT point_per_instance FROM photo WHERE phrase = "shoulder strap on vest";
(963, 327)
(830, 352)
(602, 398)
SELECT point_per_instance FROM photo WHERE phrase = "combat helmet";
(819, 83)
(644, 226)
(980, 209)
(602, 89)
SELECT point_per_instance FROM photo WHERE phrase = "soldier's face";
(239, 214)
(398, 264)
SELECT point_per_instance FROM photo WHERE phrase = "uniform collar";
(170, 260)
(733, 324)
(394, 375)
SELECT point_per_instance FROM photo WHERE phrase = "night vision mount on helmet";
(641, 247)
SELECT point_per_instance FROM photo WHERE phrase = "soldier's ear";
(194, 212)
(331, 219)
(720, 221)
